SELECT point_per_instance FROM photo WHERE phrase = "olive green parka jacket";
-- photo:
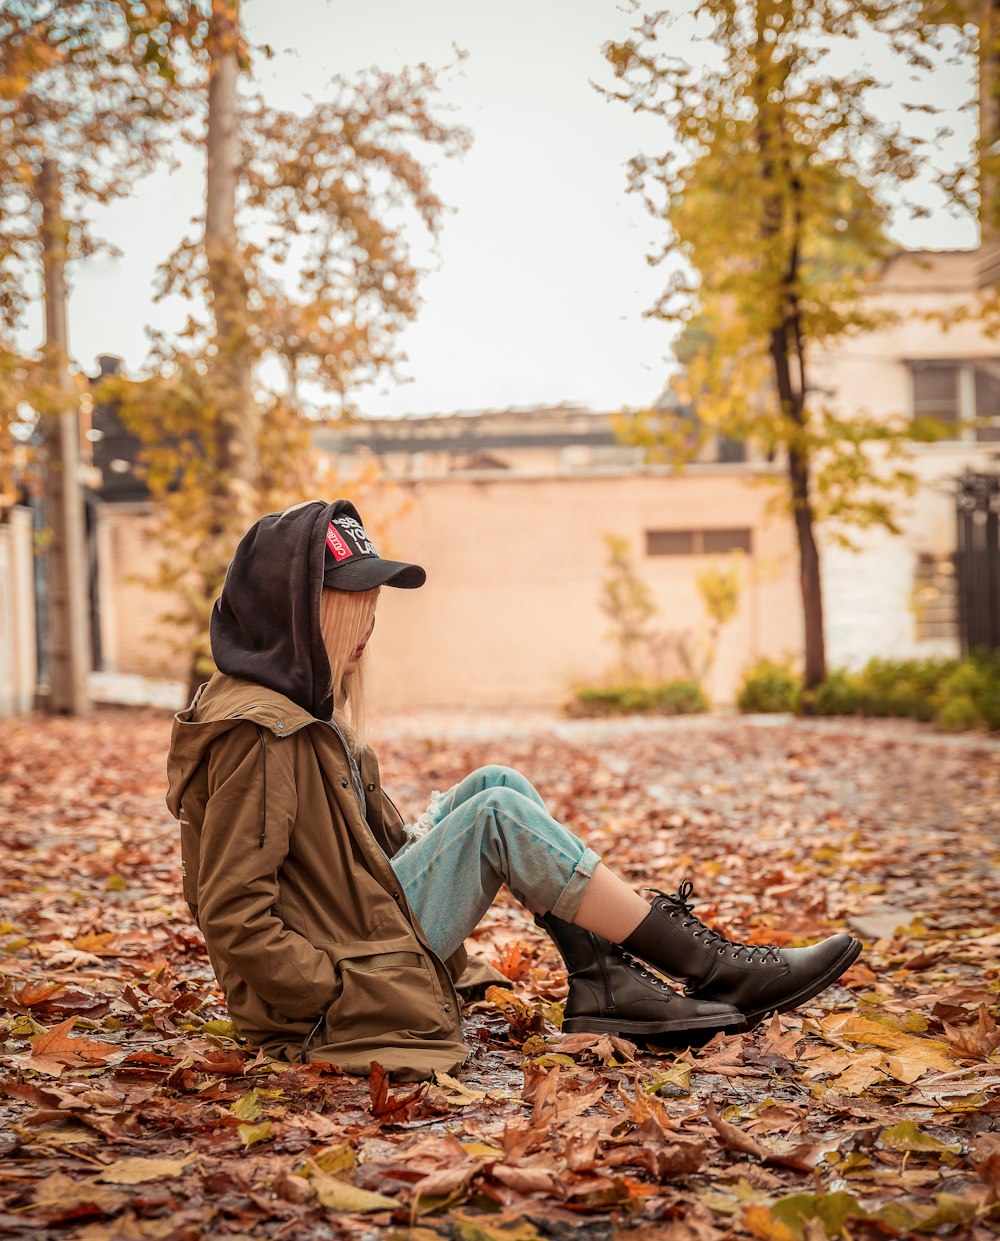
(287, 876)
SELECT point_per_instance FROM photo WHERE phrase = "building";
(898, 595)
(508, 511)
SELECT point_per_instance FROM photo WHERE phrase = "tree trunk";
(810, 581)
(989, 122)
(234, 486)
(236, 438)
(785, 341)
(67, 561)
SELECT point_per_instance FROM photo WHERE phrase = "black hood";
(265, 624)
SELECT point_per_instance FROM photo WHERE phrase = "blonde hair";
(345, 616)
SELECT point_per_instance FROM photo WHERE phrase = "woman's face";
(352, 663)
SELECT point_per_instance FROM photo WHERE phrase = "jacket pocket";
(384, 995)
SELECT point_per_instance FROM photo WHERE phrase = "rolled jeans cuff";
(572, 894)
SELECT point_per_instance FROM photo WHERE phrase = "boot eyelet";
(722, 952)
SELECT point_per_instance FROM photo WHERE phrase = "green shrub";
(768, 686)
(839, 694)
(957, 713)
(987, 696)
(969, 696)
(900, 687)
(954, 694)
(668, 698)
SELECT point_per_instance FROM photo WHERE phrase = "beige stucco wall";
(510, 614)
(135, 636)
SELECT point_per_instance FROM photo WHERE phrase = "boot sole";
(756, 1015)
(604, 1025)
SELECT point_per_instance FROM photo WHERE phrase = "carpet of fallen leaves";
(130, 1109)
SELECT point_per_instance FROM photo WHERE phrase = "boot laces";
(633, 964)
(681, 902)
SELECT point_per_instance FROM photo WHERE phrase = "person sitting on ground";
(335, 930)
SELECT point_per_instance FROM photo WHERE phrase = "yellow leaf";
(481, 1150)
(907, 1137)
(759, 1222)
(248, 1106)
(456, 1093)
(250, 1135)
(94, 942)
(336, 1160)
(491, 1228)
(135, 1170)
(338, 1195)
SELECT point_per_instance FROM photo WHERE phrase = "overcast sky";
(541, 278)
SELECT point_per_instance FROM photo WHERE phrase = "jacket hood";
(265, 625)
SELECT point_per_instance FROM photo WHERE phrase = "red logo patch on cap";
(338, 548)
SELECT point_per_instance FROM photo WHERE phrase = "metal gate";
(978, 561)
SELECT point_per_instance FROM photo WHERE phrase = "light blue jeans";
(490, 829)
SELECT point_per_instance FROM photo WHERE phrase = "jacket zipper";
(400, 897)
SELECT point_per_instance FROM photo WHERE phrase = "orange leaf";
(57, 1045)
(391, 1108)
(96, 942)
(38, 992)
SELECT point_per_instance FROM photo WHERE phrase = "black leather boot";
(612, 993)
(758, 979)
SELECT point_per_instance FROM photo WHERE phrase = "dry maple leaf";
(33, 993)
(57, 1048)
(731, 1137)
(513, 963)
(974, 1044)
(391, 1109)
(603, 1047)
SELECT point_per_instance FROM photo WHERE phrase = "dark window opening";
(697, 542)
(956, 393)
(935, 391)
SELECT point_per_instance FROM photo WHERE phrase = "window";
(697, 542)
(935, 602)
(988, 402)
(935, 391)
(957, 393)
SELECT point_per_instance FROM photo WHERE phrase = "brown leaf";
(974, 1044)
(603, 1047)
(56, 1048)
(33, 993)
(135, 1170)
(60, 1197)
(524, 1180)
(392, 1109)
(731, 1137)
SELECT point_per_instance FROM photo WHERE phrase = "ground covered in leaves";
(129, 1108)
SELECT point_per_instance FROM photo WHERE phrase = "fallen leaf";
(136, 1169)
(392, 1109)
(338, 1195)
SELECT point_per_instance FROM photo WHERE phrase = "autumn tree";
(81, 117)
(318, 296)
(775, 191)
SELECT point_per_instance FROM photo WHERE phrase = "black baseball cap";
(352, 563)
